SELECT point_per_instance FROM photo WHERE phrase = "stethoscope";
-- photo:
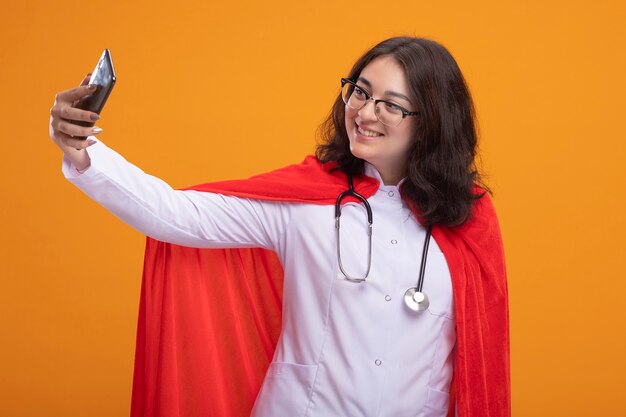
(414, 297)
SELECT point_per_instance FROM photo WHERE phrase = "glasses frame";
(368, 97)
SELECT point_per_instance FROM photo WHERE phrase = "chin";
(365, 150)
(360, 151)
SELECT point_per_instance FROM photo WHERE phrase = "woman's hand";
(63, 131)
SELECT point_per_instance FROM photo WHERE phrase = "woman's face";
(388, 151)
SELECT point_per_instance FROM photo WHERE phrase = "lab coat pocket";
(286, 390)
(436, 403)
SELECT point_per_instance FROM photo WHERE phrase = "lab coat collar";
(371, 171)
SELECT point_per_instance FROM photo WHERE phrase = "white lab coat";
(345, 349)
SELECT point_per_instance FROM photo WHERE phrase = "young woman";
(369, 328)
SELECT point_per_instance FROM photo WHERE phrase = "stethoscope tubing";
(370, 222)
(420, 281)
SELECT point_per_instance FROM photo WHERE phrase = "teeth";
(367, 132)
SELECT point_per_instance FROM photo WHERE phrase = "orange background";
(548, 81)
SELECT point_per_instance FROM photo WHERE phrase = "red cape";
(209, 319)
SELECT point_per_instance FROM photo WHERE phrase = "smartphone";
(104, 79)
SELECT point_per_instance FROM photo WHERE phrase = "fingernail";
(94, 116)
(90, 142)
(91, 86)
(96, 130)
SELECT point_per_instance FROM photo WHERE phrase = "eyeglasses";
(387, 112)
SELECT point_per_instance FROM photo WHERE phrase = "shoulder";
(482, 223)
(306, 181)
(483, 208)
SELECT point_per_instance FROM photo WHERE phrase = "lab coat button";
(377, 362)
(393, 241)
(388, 297)
(391, 194)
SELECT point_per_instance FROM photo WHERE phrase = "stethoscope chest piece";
(416, 300)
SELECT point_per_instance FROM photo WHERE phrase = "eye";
(359, 92)
(392, 107)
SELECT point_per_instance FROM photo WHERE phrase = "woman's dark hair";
(441, 161)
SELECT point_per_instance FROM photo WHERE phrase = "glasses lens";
(388, 113)
(353, 96)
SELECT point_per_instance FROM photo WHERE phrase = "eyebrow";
(390, 93)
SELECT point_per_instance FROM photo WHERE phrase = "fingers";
(65, 111)
(62, 131)
(73, 94)
(85, 80)
(65, 100)
(71, 142)
(71, 129)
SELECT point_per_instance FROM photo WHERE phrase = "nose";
(368, 112)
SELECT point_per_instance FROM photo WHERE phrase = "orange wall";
(548, 81)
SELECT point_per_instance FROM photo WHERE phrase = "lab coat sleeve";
(187, 218)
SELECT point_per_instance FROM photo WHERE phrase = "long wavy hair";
(441, 161)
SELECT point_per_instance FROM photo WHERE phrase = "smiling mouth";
(367, 133)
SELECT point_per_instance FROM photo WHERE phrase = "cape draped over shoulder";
(209, 319)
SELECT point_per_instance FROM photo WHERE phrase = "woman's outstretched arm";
(188, 218)
(150, 205)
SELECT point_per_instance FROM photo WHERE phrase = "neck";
(391, 176)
